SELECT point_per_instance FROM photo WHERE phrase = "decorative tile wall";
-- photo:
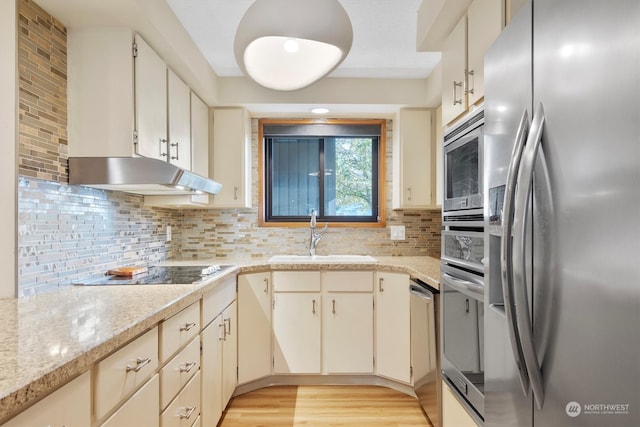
(66, 232)
(42, 70)
(234, 233)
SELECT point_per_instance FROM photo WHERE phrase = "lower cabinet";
(254, 326)
(69, 406)
(219, 364)
(393, 326)
(347, 333)
(140, 410)
(211, 338)
(453, 413)
(185, 408)
(296, 333)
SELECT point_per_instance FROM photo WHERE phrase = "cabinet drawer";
(296, 281)
(216, 300)
(69, 406)
(178, 330)
(348, 281)
(141, 410)
(123, 371)
(178, 371)
(185, 408)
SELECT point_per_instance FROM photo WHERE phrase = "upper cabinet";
(230, 158)
(463, 57)
(413, 174)
(123, 99)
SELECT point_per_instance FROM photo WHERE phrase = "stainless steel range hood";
(138, 175)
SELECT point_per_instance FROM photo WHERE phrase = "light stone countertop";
(50, 338)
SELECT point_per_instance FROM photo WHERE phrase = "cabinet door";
(69, 406)
(485, 21)
(140, 410)
(453, 413)
(211, 371)
(393, 344)
(185, 408)
(412, 153)
(151, 102)
(229, 353)
(230, 159)
(454, 64)
(179, 101)
(254, 326)
(347, 333)
(296, 333)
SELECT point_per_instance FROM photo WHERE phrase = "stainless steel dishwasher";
(425, 348)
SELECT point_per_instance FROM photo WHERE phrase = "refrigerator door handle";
(525, 328)
(506, 250)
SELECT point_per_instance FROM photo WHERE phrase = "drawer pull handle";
(333, 302)
(380, 288)
(227, 331)
(223, 325)
(187, 326)
(188, 367)
(266, 286)
(140, 363)
(187, 415)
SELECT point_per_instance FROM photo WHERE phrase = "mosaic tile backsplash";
(68, 232)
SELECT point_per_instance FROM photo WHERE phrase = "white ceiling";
(384, 37)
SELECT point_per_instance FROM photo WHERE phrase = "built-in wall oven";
(462, 263)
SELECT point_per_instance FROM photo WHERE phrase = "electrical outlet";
(397, 232)
(168, 233)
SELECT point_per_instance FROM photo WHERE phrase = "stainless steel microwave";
(463, 164)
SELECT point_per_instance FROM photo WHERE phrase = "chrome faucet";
(315, 237)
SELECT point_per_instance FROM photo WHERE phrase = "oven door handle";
(470, 289)
(506, 250)
(525, 328)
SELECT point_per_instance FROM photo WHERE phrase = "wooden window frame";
(382, 143)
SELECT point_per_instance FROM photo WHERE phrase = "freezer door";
(507, 97)
(587, 308)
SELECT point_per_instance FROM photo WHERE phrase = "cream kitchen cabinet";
(413, 174)
(230, 157)
(179, 118)
(178, 371)
(453, 413)
(219, 350)
(347, 333)
(229, 352)
(185, 408)
(393, 326)
(140, 410)
(296, 332)
(69, 406)
(150, 102)
(463, 57)
(178, 330)
(254, 326)
(117, 376)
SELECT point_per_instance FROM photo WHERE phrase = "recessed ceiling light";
(320, 110)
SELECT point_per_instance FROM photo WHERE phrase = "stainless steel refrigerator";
(562, 216)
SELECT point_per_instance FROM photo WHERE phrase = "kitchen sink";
(322, 259)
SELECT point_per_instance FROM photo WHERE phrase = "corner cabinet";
(230, 157)
(254, 326)
(393, 322)
(463, 57)
(413, 172)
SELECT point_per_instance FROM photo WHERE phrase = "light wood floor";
(334, 406)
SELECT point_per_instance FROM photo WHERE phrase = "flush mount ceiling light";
(290, 44)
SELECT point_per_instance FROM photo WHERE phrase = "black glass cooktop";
(160, 275)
